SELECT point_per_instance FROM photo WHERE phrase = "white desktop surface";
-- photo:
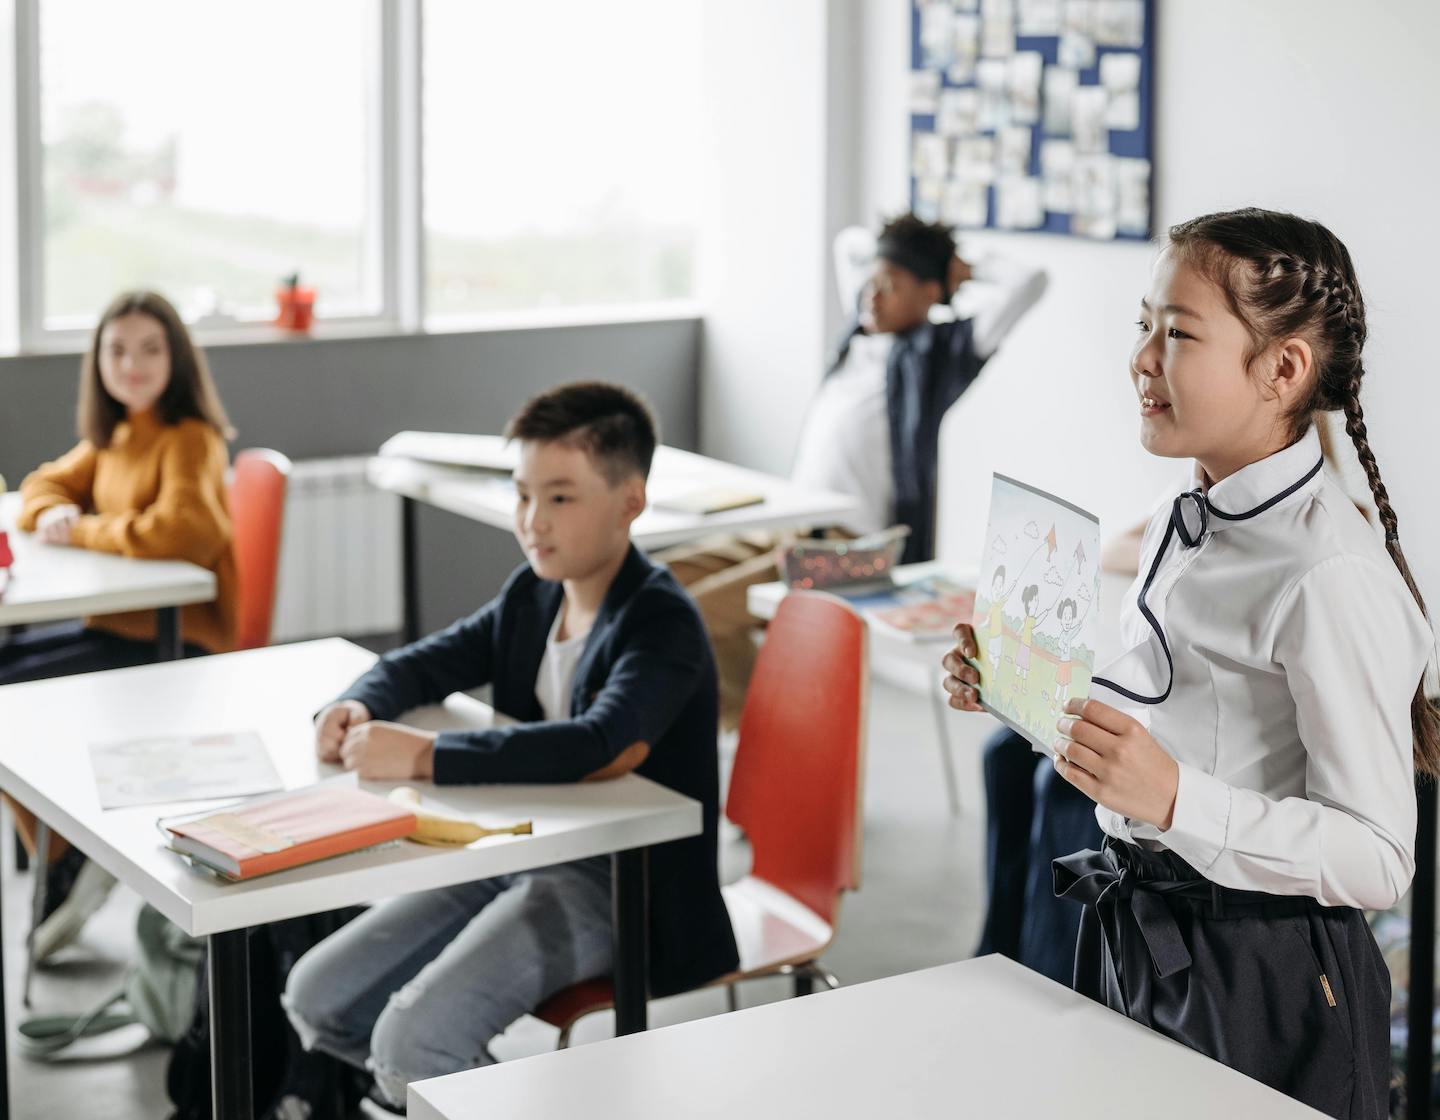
(982, 1038)
(488, 496)
(45, 764)
(53, 582)
(763, 600)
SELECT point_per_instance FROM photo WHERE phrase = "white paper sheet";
(182, 768)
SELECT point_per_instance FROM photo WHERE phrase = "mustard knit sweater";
(157, 492)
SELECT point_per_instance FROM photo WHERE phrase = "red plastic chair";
(257, 515)
(797, 793)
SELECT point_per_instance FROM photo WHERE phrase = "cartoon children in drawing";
(1029, 598)
(1069, 619)
(995, 622)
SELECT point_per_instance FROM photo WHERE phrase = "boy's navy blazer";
(647, 674)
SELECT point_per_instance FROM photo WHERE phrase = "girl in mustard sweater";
(147, 480)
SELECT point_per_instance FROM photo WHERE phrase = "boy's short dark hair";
(613, 425)
(922, 248)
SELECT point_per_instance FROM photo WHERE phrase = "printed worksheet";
(182, 768)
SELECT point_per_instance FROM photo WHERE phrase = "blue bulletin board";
(1033, 115)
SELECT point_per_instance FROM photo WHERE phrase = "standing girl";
(1254, 754)
(147, 479)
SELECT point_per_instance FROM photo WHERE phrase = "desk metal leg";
(410, 568)
(37, 903)
(167, 634)
(230, 1089)
(630, 909)
(4, 1026)
(1418, 1054)
(942, 739)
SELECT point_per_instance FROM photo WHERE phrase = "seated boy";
(603, 658)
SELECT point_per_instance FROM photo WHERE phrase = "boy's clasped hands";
(374, 748)
(1102, 752)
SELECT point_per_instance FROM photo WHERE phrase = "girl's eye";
(1176, 332)
(560, 499)
(1142, 326)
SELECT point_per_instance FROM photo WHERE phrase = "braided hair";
(1287, 277)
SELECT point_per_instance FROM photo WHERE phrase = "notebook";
(923, 610)
(289, 829)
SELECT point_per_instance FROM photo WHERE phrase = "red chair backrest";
(257, 515)
(796, 789)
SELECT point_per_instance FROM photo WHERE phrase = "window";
(412, 160)
(561, 152)
(207, 151)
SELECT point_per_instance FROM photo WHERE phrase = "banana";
(447, 832)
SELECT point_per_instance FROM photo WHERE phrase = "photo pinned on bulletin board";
(1037, 608)
(1034, 115)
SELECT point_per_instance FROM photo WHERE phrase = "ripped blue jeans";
(418, 986)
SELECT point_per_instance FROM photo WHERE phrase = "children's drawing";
(1034, 618)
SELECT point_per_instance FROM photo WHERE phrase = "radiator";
(339, 554)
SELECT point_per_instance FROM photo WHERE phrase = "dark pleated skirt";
(1289, 992)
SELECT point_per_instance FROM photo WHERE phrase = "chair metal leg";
(804, 982)
(564, 1040)
(37, 903)
(732, 997)
(942, 740)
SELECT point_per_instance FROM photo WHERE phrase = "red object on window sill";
(6, 556)
(297, 308)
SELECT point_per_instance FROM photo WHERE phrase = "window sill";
(75, 343)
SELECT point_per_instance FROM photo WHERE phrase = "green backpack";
(158, 992)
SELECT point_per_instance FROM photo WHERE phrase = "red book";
(288, 829)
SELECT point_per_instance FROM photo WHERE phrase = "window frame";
(394, 235)
(30, 331)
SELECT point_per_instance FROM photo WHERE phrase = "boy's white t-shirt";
(555, 682)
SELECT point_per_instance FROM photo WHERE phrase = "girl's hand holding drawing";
(962, 679)
(1114, 761)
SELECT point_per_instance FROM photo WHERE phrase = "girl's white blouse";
(1297, 651)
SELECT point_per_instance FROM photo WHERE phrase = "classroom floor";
(919, 905)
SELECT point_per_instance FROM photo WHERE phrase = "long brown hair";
(189, 394)
(1287, 277)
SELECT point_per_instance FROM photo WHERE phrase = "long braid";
(1424, 719)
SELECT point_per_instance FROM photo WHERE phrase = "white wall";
(763, 247)
(1323, 107)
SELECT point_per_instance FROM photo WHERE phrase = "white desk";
(49, 583)
(44, 764)
(763, 600)
(983, 1038)
(488, 496)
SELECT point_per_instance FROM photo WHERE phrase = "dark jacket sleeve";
(425, 672)
(956, 370)
(655, 670)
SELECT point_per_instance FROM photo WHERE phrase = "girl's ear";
(1293, 370)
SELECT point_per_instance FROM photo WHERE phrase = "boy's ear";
(635, 498)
